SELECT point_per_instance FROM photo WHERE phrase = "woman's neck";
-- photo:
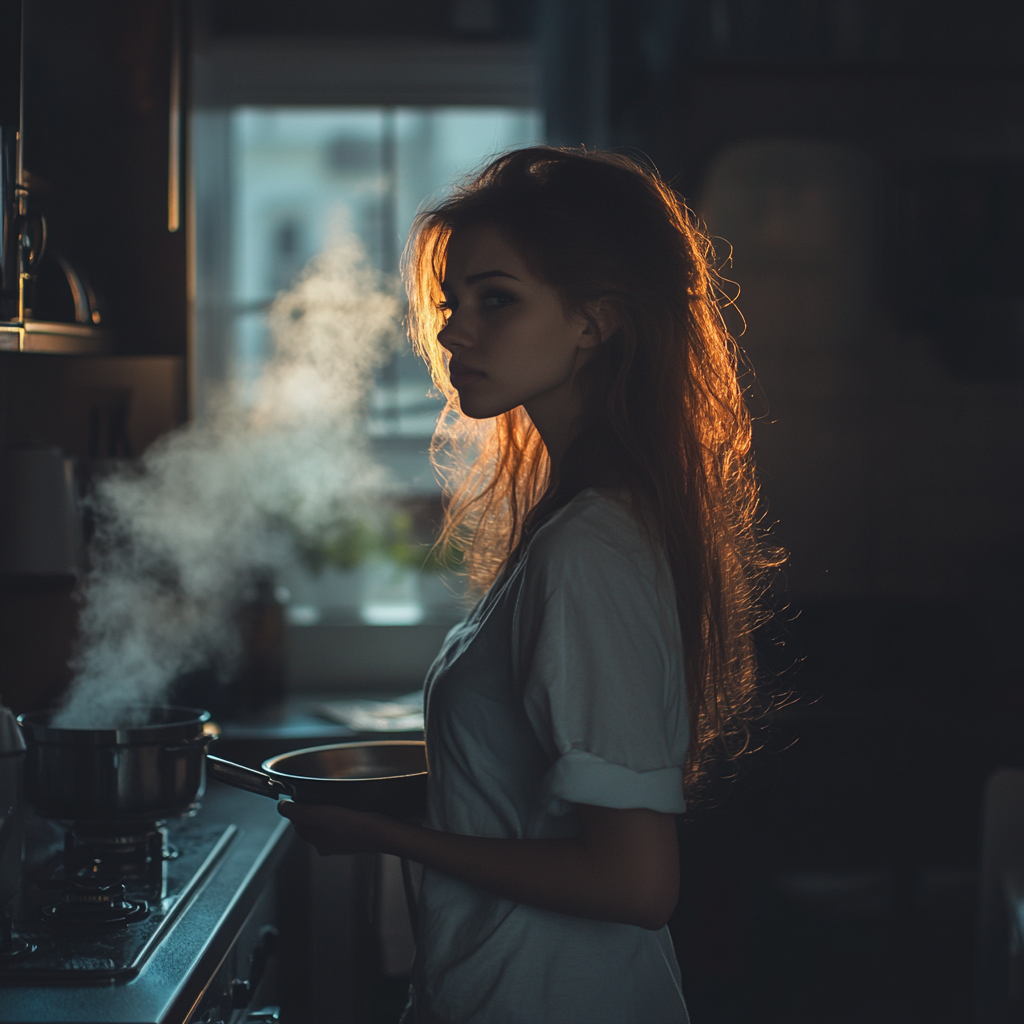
(557, 433)
(556, 414)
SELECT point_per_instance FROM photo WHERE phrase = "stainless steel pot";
(137, 773)
(387, 776)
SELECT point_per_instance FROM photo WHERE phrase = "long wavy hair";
(663, 418)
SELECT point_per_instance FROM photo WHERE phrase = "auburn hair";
(664, 416)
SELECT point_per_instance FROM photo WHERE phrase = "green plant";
(347, 544)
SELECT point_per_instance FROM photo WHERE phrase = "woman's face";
(511, 341)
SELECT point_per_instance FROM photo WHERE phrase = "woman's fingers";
(316, 815)
(330, 829)
(296, 812)
(324, 840)
(311, 836)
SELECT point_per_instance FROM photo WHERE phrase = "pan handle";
(244, 778)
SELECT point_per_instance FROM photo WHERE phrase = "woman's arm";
(623, 866)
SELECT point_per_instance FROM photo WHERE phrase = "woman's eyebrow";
(474, 278)
(482, 276)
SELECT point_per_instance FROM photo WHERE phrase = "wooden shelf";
(54, 338)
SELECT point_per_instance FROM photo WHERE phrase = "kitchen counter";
(296, 724)
(210, 944)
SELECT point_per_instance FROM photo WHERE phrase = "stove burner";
(95, 904)
(90, 929)
(96, 853)
(15, 948)
(11, 945)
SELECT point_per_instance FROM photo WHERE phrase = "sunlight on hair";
(665, 418)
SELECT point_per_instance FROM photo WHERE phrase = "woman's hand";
(335, 829)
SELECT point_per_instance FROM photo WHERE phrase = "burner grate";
(71, 945)
(12, 945)
(85, 905)
(98, 855)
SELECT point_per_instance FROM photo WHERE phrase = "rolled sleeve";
(580, 777)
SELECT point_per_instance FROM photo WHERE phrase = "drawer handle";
(268, 1015)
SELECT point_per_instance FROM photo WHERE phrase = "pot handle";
(203, 741)
(244, 778)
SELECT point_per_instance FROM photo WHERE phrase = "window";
(292, 143)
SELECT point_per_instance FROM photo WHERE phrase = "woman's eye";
(445, 307)
(493, 300)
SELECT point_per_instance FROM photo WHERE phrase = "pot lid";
(165, 723)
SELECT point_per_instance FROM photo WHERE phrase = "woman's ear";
(601, 322)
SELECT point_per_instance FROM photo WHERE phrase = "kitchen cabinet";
(103, 151)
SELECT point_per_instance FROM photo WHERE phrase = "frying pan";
(387, 776)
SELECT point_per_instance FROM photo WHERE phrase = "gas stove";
(157, 923)
(106, 897)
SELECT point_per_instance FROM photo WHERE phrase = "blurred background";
(863, 163)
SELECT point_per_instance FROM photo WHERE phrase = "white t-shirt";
(564, 686)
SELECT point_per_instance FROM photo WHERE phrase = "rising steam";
(216, 501)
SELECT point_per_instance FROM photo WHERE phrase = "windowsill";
(341, 654)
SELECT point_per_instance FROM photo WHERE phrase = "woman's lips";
(462, 376)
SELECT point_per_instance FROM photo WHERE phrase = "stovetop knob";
(268, 1015)
(241, 993)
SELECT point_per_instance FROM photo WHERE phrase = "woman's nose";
(454, 335)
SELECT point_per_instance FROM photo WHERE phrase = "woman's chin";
(479, 410)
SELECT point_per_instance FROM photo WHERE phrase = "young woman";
(605, 510)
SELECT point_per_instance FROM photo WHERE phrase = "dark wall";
(421, 18)
(662, 46)
(864, 162)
